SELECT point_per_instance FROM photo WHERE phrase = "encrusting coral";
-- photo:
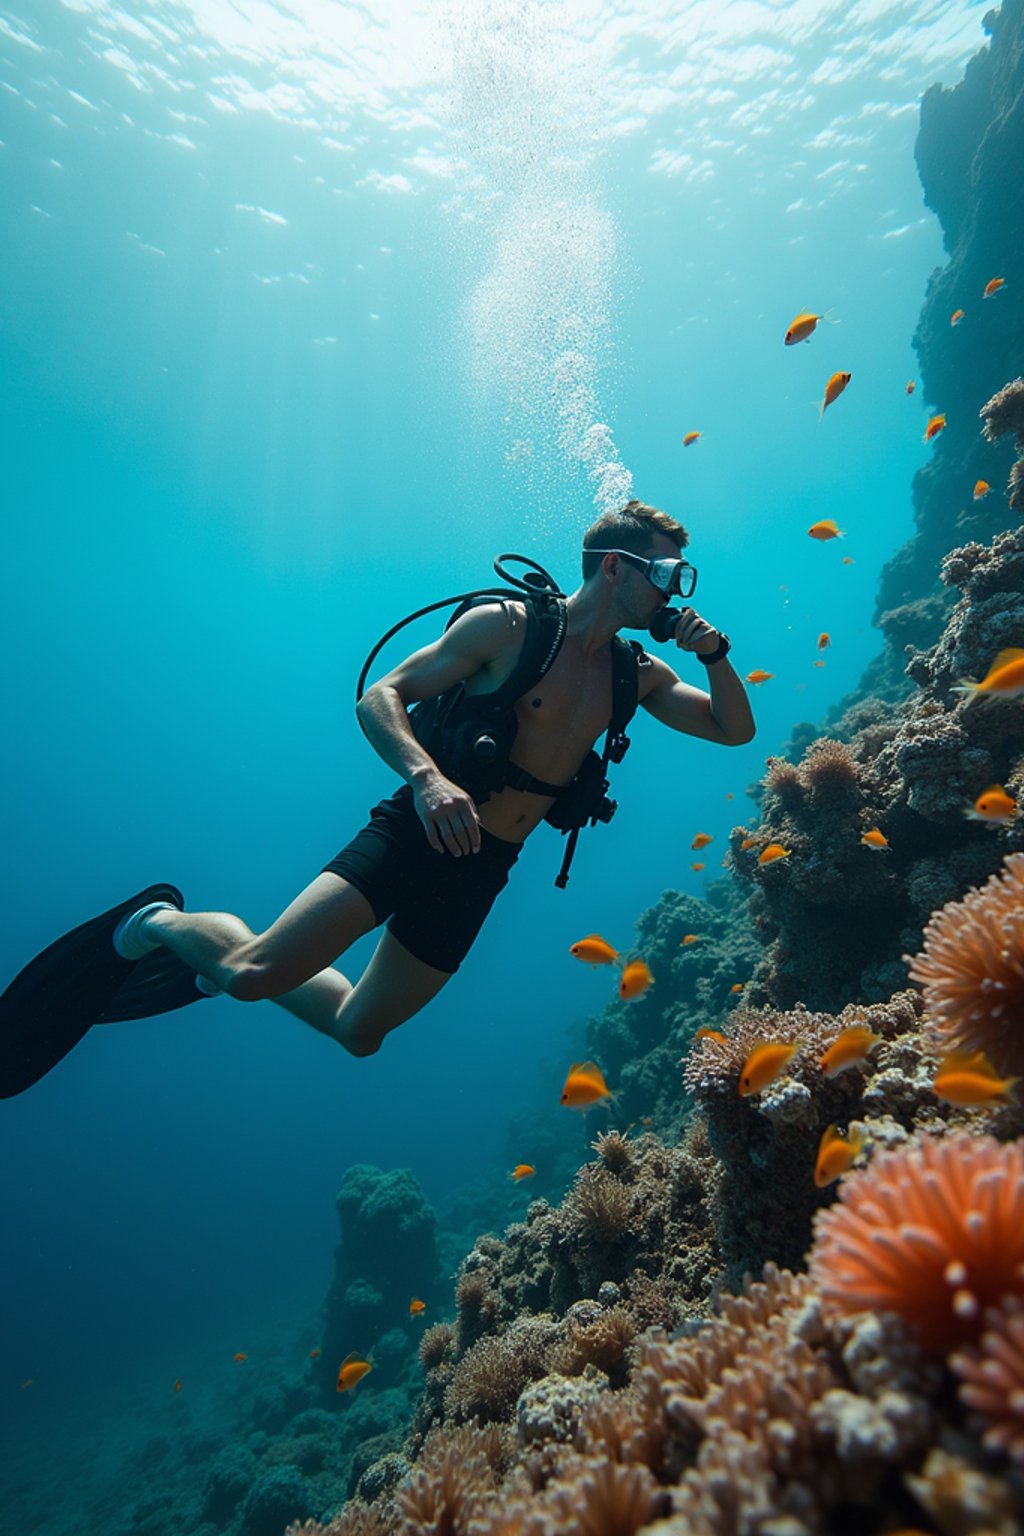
(1002, 414)
(971, 969)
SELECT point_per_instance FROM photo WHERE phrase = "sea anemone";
(933, 1232)
(614, 1150)
(992, 1377)
(972, 970)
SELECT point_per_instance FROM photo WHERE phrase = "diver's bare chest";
(571, 704)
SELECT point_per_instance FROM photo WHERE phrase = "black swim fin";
(80, 980)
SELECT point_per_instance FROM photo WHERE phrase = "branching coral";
(992, 1376)
(972, 970)
(933, 1232)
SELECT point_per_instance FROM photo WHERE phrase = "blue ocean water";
(308, 311)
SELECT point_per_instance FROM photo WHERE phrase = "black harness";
(471, 736)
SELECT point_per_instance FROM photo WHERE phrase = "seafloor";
(698, 1340)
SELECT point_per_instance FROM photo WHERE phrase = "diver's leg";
(394, 986)
(290, 963)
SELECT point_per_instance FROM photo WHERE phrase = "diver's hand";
(448, 814)
(692, 633)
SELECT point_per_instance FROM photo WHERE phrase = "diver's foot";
(130, 938)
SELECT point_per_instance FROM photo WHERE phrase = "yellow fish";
(636, 978)
(836, 1155)
(522, 1171)
(969, 1078)
(690, 439)
(833, 389)
(701, 840)
(993, 805)
(759, 676)
(875, 839)
(584, 1086)
(848, 1049)
(827, 528)
(1005, 678)
(772, 852)
(764, 1064)
(803, 326)
(351, 1371)
(593, 950)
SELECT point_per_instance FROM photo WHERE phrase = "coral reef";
(1003, 414)
(972, 971)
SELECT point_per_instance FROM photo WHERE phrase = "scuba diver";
(492, 727)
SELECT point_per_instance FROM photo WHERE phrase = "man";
(431, 859)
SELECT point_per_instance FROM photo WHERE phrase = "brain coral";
(972, 970)
(933, 1231)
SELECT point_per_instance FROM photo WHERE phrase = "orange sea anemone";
(933, 1232)
(971, 970)
(993, 1377)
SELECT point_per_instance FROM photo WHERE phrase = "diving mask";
(676, 578)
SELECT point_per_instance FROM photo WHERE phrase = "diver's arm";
(724, 717)
(473, 642)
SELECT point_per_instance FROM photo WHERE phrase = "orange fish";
(737, 986)
(314, 1354)
(956, 317)
(351, 1371)
(772, 852)
(689, 938)
(764, 1064)
(934, 427)
(993, 286)
(819, 663)
(825, 529)
(416, 1307)
(848, 560)
(239, 1358)
(690, 439)
(833, 389)
(584, 1086)
(969, 1078)
(747, 842)
(836, 1155)
(803, 327)
(911, 386)
(981, 489)
(711, 1034)
(759, 675)
(848, 1048)
(522, 1171)
(993, 805)
(875, 839)
(730, 795)
(636, 977)
(701, 840)
(1004, 680)
(824, 641)
(177, 1386)
(593, 950)
(697, 868)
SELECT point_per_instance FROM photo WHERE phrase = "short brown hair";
(632, 528)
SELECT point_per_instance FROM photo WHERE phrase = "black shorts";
(436, 902)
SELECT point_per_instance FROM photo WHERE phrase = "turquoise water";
(307, 313)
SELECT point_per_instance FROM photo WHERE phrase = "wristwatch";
(720, 650)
